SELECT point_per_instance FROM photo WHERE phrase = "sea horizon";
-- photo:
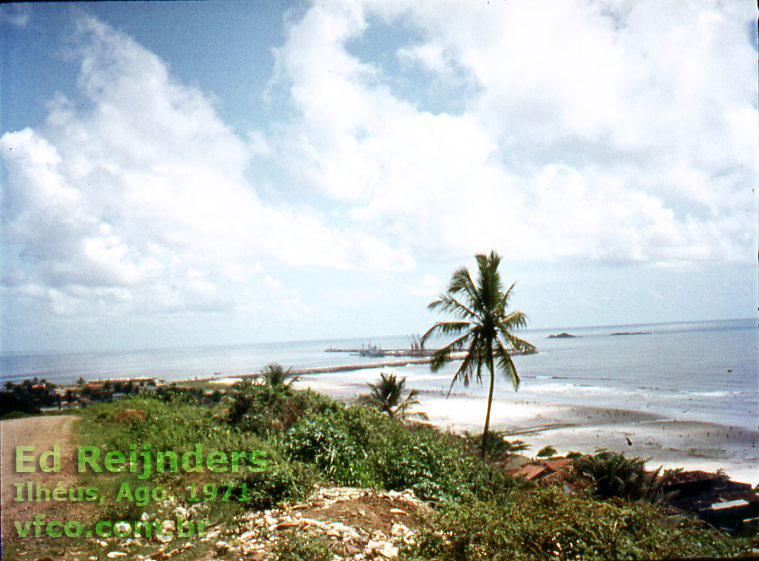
(697, 369)
(558, 328)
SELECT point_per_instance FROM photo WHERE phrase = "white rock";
(388, 550)
(338, 528)
(316, 523)
(399, 530)
(247, 536)
(115, 554)
(385, 549)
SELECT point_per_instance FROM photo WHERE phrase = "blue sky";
(228, 172)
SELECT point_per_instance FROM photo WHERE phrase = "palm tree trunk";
(490, 404)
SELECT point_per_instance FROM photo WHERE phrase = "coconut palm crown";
(276, 376)
(387, 396)
(483, 329)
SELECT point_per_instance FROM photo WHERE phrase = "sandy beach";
(667, 442)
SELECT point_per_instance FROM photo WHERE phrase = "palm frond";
(403, 409)
(445, 328)
(513, 320)
(451, 305)
(504, 304)
(461, 282)
(516, 343)
(275, 375)
(467, 368)
(506, 365)
(387, 396)
(490, 287)
(443, 356)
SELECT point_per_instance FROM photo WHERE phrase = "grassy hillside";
(307, 440)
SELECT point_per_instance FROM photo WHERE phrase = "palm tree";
(483, 330)
(276, 376)
(615, 475)
(387, 395)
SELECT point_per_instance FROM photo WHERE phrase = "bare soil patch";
(42, 433)
(358, 523)
(370, 512)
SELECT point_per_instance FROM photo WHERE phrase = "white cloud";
(610, 131)
(429, 55)
(140, 201)
(17, 15)
(601, 131)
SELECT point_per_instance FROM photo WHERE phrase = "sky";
(208, 173)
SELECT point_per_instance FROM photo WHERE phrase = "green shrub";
(496, 446)
(614, 475)
(353, 445)
(483, 513)
(544, 523)
(326, 442)
(270, 409)
(546, 452)
(436, 467)
(179, 425)
(17, 415)
(281, 480)
(293, 546)
(387, 396)
(28, 396)
(275, 375)
(358, 446)
(176, 425)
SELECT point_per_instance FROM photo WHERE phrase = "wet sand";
(667, 442)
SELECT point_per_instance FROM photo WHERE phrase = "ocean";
(700, 371)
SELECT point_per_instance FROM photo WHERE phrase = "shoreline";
(662, 441)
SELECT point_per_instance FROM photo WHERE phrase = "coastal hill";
(342, 480)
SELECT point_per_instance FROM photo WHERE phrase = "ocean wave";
(713, 393)
(580, 388)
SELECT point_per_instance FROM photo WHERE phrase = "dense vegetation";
(27, 397)
(546, 523)
(481, 513)
(614, 475)
(31, 396)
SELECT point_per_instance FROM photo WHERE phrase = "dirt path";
(42, 433)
